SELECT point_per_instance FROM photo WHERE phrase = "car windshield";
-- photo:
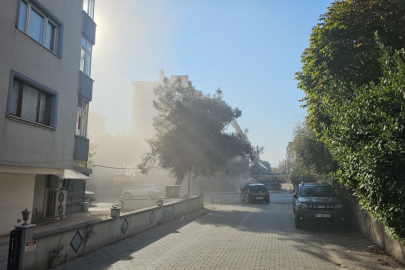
(258, 188)
(317, 191)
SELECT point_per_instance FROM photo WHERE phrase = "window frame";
(86, 51)
(48, 17)
(82, 110)
(50, 93)
(91, 15)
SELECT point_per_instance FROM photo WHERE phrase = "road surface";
(233, 235)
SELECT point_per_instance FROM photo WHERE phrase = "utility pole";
(217, 183)
(188, 183)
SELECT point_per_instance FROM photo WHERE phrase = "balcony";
(85, 86)
(81, 148)
(89, 28)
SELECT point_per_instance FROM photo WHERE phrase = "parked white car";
(142, 190)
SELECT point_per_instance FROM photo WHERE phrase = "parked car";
(142, 190)
(316, 202)
(254, 193)
(89, 196)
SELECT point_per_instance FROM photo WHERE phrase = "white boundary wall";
(106, 232)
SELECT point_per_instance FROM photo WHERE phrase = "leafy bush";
(355, 100)
(367, 138)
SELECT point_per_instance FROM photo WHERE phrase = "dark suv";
(316, 201)
(254, 192)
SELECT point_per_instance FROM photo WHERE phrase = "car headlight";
(302, 205)
(338, 206)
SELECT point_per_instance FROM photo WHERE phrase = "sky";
(249, 49)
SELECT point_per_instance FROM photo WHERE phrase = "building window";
(88, 7)
(85, 58)
(40, 25)
(30, 103)
(82, 115)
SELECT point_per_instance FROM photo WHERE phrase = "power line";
(115, 167)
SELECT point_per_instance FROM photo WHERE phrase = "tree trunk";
(179, 180)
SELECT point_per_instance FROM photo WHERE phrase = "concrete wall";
(137, 204)
(30, 145)
(371, 228)
(16, 194)
(106, 232)
(38, 207)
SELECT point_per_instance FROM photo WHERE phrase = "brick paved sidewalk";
(237, 237)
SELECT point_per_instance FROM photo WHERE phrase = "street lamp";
(26, 215)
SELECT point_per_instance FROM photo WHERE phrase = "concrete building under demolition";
(142, 105)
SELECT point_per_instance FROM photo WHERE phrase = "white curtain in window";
(82, 56)
(84, 126)
(87, 62)
(44, 110)
(29, 103)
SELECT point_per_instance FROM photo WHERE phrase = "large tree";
(367, 138)
(312, 156)
(353, 77)
(313, 161)
(190, 132)
(343, 48)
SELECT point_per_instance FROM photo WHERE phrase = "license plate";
(322, 215)
(259, 198)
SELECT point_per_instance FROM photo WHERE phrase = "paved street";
(238, 236)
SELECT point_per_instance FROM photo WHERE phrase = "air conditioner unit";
(56, 203)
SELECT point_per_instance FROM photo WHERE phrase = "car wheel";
(298, 223)
(151, 194)
(241, 198)
(268, 201)
(127, 195)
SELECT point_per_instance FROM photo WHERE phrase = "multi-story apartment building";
(143, 111)
(45, 90)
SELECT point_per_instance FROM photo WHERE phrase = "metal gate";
(14, 250)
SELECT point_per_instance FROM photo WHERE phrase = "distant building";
(290, 158)
(45, 90)
(142, 105)
(143, 113)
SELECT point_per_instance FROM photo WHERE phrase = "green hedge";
(366, 136)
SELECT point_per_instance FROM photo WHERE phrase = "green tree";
(367, 138)
(190, 132)
(312, 156)
(343, 48)
(282, 166)
(355, 100)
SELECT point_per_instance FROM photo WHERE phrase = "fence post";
(115, 211)
(27, 233)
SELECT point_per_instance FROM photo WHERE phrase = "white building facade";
(45, 90)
